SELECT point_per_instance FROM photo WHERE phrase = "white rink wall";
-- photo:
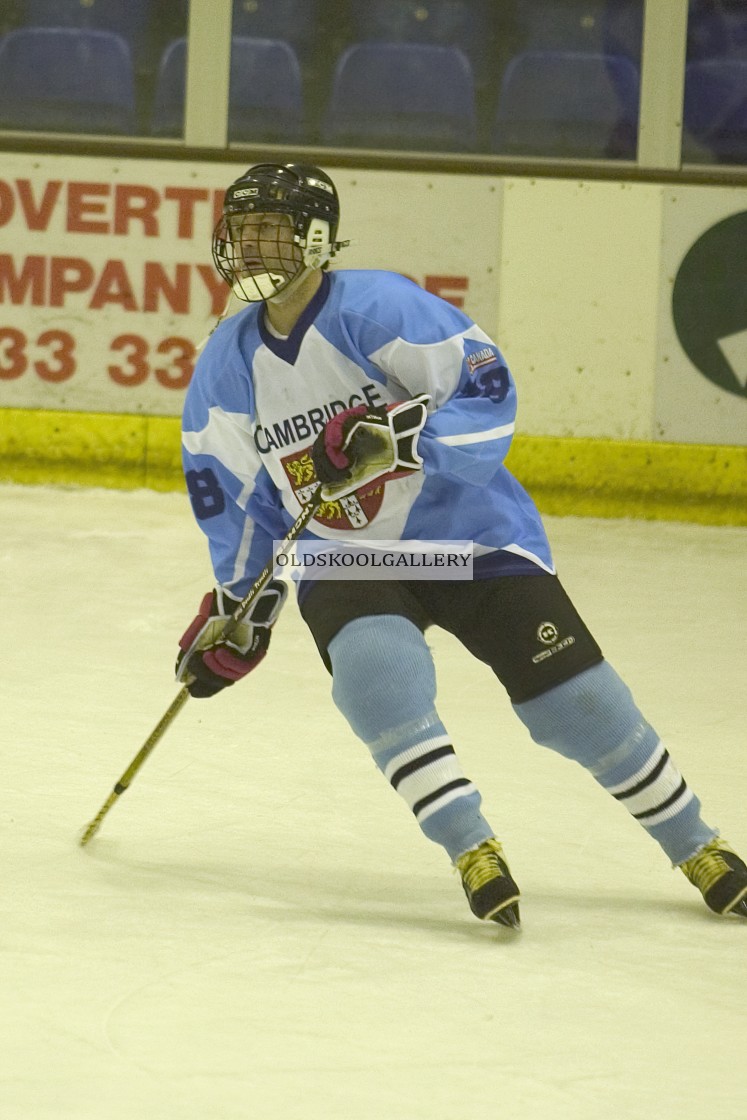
(580, 269)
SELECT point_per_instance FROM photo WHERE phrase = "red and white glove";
(362, 444)
(206, 663)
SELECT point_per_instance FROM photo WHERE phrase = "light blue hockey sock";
(593, 720)
(384, 683)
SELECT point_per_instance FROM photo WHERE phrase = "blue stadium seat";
(735, 24)
(293, 21)
(568, 104)
(467, 24)
(402, 95)
(128, 18)
(563, 25)
(66, 80)
(616, 26)
(265, 100)
(715, 115)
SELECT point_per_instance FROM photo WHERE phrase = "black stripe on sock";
(424, 801)
(665, 804)
(647, 781)
(418, 763)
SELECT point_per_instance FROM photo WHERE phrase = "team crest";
(354, 511)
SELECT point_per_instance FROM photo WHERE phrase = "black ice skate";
(720, 876)
(492, 894)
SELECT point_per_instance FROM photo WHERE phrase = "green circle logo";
(709, 304)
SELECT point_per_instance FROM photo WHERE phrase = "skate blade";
(507, 916)
(740, 909)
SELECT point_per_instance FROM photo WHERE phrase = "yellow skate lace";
(707, 867)
(481, 865)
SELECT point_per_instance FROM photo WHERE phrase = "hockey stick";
(182, 696)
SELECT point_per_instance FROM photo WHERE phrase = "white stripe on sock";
(421, 748)
(638, 777)
(655, 794)
(429, 779)
(670, 811)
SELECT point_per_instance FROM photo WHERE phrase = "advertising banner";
(107, 286)
(701, 381)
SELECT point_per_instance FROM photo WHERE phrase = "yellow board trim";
(703, 483)
(116, 451)
(585, 477)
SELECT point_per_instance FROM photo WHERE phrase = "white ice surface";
(259, 931)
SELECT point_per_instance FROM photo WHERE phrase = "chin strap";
(314, 258)
(285, 294)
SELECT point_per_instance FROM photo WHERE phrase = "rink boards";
(619, 306)
(588, 477)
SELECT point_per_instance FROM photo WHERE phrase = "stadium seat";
(467, 24)
(715, 114)
(735, 24)
(167, 118)
(616, 26)
(66, 80)
(563, 25)
(568, 104)
(128, 18)
(265, 100)
(402, 95)
(293, 21)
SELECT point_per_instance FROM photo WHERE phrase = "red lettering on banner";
(184, 359)
(215, 285)
(100, 208)
(7, 203)
(441, 285)
(218, 200)
(82, 203)
(14, 353)
(37, 217)
(68, 274)
(157, 283)
(133, 203)
(61, 363)
(137, 360)
(17, 286)
(57, 364)
(114, 287)
(186, 198)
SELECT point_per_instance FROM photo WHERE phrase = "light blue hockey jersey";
(256, 404)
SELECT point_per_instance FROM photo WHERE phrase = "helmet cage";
(307, 196)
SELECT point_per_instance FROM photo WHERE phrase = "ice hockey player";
(403, 409)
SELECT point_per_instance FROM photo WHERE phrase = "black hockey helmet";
(304, 193)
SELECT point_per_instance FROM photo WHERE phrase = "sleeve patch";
(488, 377)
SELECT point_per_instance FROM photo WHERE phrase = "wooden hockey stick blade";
(182, 696)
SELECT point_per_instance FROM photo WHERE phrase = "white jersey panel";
(227, 437)
(292, 404)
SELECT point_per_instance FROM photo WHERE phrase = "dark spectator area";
(558, 78)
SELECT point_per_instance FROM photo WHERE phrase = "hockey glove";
(362, 444)
(206, 663)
